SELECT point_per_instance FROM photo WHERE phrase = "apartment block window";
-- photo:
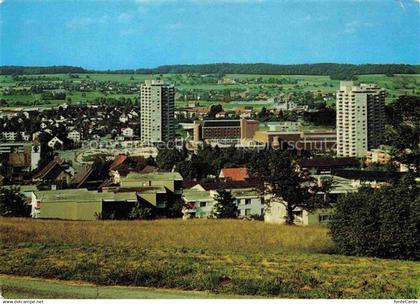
(247, 211)
(247, 201)
(203, 204)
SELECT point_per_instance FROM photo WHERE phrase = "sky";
(121, 34)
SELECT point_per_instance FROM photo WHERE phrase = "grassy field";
(396, 86)
(222, 257)
(14, 287)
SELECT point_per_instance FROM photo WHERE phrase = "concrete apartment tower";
(157, 106)
(360, 118)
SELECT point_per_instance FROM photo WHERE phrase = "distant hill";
(334, 70)
(21, 70)
(328, 69)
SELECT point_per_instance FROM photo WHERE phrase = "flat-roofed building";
(230, 129)
(157, 108)
(316, 141)
(79, 204)
(381, 155)
(201, 203)
(360, 118)
(170, 180)
(221, 129)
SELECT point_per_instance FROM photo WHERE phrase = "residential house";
(55, 173)
(234, 174)
(125, 164)
(85, 178)
(381, 155)
(127, 132)
(123, 118)
(276, 212)
(9, 136)
(199, 198)
(55, 143)
(22, 155)
(249, 201)
(74, 135)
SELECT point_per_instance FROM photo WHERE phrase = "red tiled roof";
(119, 160)
(234, 174)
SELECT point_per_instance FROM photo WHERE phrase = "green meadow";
(223, 257)
(396, 85)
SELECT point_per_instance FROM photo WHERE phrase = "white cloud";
(404, 3)
(353, 26)
(401, 4)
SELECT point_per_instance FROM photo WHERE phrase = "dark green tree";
(403, 131)
(214, 109)
(168, 158)
(225, 206)
(175, 208)
(101, 167)
(282, 180)
(381, 222)
(13, 203)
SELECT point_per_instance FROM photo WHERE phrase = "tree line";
(327, 69)
(34, 70)
(335, 70)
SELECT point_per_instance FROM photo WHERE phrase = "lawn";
(218, 256)
(14, 287)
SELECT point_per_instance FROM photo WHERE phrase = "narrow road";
(15, 287)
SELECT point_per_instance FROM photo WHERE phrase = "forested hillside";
(21, 70)
(334, 70)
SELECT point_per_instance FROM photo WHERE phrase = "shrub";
(13, 203)
(379, 222)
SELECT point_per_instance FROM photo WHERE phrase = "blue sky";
(147, 33)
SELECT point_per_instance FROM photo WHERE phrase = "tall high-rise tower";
(157, 107)
(360, 118)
